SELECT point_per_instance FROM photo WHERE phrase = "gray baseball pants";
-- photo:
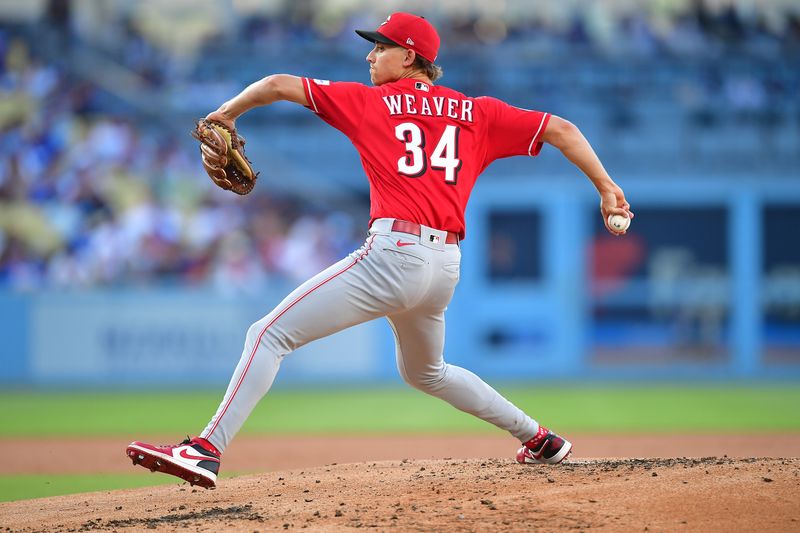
(407, 279)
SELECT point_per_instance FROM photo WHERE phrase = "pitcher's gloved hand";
(222, 152)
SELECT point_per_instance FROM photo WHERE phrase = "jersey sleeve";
(340, 104)
(512, 130)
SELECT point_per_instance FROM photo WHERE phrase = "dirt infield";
(248, 454)
(422, 490)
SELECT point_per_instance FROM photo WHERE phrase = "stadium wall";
(705, 285)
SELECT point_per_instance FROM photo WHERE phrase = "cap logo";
(410, 41)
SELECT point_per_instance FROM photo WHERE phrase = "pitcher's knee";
(428, 381)
(268, 335)
(254, 331)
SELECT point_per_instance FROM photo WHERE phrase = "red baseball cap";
(409, 31)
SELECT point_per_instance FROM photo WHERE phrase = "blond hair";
(434, 72)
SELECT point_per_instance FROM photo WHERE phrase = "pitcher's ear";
(411, 56)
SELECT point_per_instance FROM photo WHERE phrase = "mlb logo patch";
(322, 82)
(422, 86)
(435, 239)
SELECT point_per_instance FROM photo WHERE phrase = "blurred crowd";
(708, 60)
(90, 196)
(92, 199)
(688, 28)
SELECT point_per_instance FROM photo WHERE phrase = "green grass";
(26, 486)
(570, 408)
(387, 410)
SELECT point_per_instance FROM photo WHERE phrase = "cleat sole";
(159, 464)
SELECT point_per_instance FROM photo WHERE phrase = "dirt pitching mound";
(708, 494)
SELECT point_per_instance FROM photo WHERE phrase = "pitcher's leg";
(419, 346)
(333, 300)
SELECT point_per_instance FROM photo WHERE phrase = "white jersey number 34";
(444, 156)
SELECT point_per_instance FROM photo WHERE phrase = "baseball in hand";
(619, 222)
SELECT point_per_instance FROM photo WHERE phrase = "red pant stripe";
(258, 341)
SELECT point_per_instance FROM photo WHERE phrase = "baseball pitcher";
(422, 146)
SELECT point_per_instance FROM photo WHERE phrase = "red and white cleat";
(194, 460)
(545, 448)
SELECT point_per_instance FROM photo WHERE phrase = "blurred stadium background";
(121, 265)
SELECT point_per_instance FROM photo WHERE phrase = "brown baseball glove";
(222, 151)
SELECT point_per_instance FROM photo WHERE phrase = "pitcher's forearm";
(565, 136)
(580, 153)
(256, 94)
(265, 92)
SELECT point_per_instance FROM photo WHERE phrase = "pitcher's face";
(386, 63)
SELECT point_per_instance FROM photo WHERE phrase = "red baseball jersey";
(423, 146)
